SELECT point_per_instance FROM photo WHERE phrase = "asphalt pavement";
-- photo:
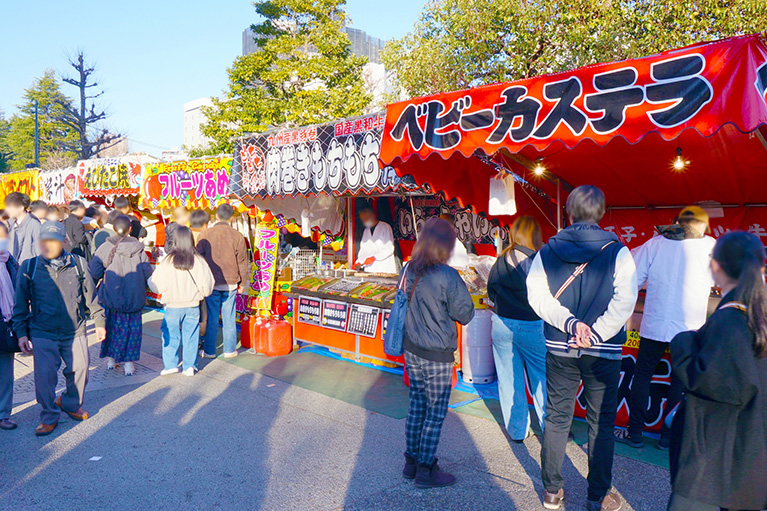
(232, 439)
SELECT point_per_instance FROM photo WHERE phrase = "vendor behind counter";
(376, 248)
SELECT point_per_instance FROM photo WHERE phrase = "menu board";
(363, 320)
(334, 314)
(385, 322)
(309, 310)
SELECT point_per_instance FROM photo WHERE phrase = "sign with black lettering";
(385, 322)
(334, 314)
(363, 320)
(309, 310)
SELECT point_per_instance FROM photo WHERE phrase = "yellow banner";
(265, 269)
(27, 182)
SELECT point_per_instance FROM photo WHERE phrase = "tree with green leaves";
(53, 134)
(5, 151)
(458, 44)
(302, 72)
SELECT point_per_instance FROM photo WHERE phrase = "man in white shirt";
(459, 258)
(376, 254)
(675, 266)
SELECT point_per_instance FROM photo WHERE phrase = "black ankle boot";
(411, 465)
(430, 476)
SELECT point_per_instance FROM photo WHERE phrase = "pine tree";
(302, 72)
(20, 135)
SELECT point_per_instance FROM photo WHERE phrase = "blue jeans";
(519, 347)
(222, 302)
(180, 329)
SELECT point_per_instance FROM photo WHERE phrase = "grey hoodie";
(24, 237)
(123, 288)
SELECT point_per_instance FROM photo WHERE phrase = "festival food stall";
(308, 181)
(682, 127)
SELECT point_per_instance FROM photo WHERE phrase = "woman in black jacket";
(719, 433)
(438, 298)
(519, 346)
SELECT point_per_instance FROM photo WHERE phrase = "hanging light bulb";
(539, 169)
(679, 163)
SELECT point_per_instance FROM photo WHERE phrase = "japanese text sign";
(332, 158)
(262, 285)
(197, 183)
(59, 186)
(110, 176)
(27, 182)
(664, 93)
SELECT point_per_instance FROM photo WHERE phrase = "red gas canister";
(279, 338)
(245, 332)
(257, 339)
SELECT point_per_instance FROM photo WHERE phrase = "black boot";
(430, 476)
(411, 465)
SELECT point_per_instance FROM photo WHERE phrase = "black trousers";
(650, 354)
(600, 391)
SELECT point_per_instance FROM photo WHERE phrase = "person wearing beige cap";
(675, 267)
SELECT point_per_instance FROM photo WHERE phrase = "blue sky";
(152, 55)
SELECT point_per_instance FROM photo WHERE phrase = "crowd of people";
(62, 268)
(560, 315)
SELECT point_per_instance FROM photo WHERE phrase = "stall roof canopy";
(619, 126)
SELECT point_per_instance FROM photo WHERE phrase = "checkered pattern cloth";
(430, 385)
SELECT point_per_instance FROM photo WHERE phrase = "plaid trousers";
(430, 385)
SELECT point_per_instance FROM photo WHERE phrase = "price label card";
(309, 310)
(334, 314)
(363, 320)
(384, 321)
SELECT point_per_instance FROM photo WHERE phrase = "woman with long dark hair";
(183, 279)
(122, 266)
(519, 346)
(438, 298)
(719, 433)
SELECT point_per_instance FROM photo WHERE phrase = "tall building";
(362, 44)
(193, 119)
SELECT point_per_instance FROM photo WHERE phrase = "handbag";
(395, 329)
(9, 343)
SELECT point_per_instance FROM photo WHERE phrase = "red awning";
(618, 126)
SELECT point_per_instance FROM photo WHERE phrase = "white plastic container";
(477, 363)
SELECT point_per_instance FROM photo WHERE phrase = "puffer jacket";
(123, 279)
(439, 300)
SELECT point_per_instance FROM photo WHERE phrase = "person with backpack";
(583, 284)
(519, 347)
(438, 298)
(54, 295)
(184, 279)
(8, 270)
(122, 267)
(718, 446)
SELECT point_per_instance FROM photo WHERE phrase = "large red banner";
(702, 86)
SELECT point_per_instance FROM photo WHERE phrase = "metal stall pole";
(559, 205)
(412, 212)
(350, 232)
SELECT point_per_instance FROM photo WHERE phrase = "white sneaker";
(231, 355)
(110, 363)
(166, 372)
(189, 372)
(129, 368)
(205, 355)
